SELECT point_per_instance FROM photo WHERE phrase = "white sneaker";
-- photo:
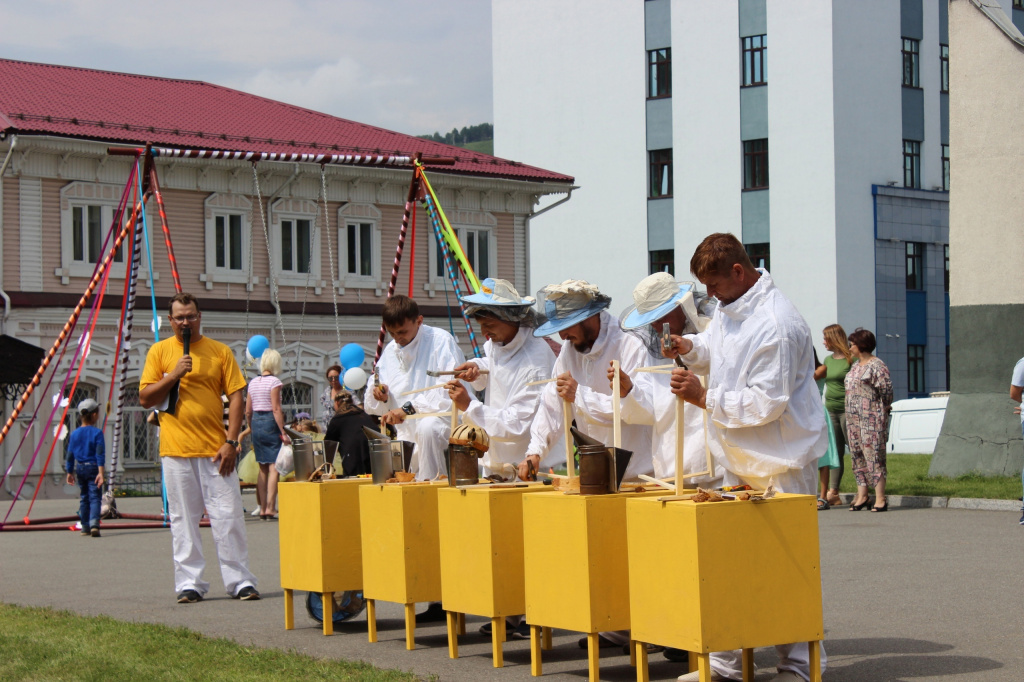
(695, 677)
(787, 676)
(255, 512)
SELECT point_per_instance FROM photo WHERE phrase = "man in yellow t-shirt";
(197, 457)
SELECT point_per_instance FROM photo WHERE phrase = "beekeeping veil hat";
(498, 298)
(655, 296)
(569, 303)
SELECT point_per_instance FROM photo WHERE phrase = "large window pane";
(755, 164)
(286, 245)
(303, 241)
(660, 161)
(220, 239)
(77, 234)
(483, 270)
(353, 241)
(755, 60)
(365, 249)
(236, 242)
(659, 73)
(915, 266)
(95, 234)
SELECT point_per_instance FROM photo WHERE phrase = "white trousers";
(431, 438)
(194, 484)
(792, 657)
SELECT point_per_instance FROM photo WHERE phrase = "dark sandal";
(823, 504)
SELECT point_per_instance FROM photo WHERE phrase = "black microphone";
(186, 337)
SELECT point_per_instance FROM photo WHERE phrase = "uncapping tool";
(449, 372)
(666, 344)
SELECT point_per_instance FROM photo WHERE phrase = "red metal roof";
(67, 101)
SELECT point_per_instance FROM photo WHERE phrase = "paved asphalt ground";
(912, 594)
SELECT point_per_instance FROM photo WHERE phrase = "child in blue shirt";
(86, 459)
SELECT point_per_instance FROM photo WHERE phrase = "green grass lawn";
(908, 475)
(42, 644)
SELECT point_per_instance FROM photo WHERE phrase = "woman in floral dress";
(868, 399)
(334, 388)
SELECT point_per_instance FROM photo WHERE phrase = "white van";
(914, 425)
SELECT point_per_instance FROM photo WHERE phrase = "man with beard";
(591, 339)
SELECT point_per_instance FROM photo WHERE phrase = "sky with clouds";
(411, 66)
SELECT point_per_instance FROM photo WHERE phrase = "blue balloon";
(257, 345)
(351, 355)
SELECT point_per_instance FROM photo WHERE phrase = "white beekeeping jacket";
(593, 405)
(652, 402)
(405, 369)
(510, 405)
(763, 405)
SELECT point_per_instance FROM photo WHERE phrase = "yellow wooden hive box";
(577, 572)
(401, 557)
(482, 549)
(716, 576)
(320, 546)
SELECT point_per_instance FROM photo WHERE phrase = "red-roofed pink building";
(60, 190)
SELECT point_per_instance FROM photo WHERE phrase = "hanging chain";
(270, 257)
(330, 253)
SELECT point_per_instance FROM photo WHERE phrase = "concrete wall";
(801, 156)
(708, 149)
(868, 147)
(570, 93)
(986, 246)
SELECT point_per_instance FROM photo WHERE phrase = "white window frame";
(354, 214)
(225, 205)
(295, 209)
(461, 222)
(81, 195)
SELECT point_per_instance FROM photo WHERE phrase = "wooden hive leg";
(410, 626)
(704, 666)
(453, 635)
(748, 665)
(462, 623)
(371, 620)
(289, 610)
(632, 651)
(593, 656)
(640, 654)
(814, 660)
(546, 641)
(327, 599)
(535, 663)
(498, 640)
(691, 660)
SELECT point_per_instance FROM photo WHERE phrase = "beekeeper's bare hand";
(468, 371)
(565, 386)
(625, 383)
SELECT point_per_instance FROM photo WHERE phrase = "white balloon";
(60, 432)
(355, 378)
(156, 324)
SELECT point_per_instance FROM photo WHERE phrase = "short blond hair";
(270, 361)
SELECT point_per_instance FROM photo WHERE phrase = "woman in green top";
(834, 371)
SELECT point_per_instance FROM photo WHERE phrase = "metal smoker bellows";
(601, 467)
(387, 456)
(310, 454)
(465, 447)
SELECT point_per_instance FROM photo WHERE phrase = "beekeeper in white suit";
(513, 358)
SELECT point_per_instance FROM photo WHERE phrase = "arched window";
(296, 397)
(139, 444)
(73, 420)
